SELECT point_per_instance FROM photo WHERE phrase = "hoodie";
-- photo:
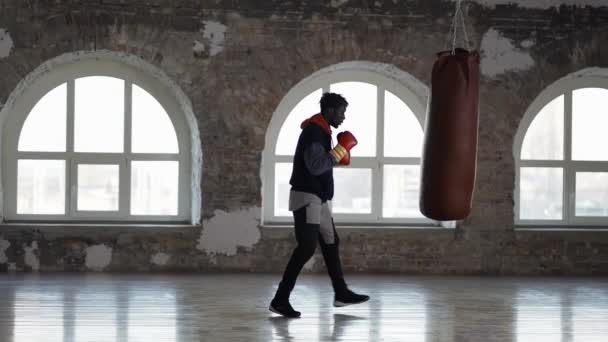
(312, 164)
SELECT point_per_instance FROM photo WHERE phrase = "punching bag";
(450, 137)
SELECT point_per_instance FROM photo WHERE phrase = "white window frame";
(67, 73)
(590, 78)
(386, 78)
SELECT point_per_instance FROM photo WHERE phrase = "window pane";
(592, 194)
(282, 174)
(154, 187)
(353, 191)
(545, 137)
(153, 130)
(45, 126)
(401, 191)
(589, 122)
(402, 131)
(40, 186)
(98, 187)
(99, 114)
(290, 131)
(540, 193)
(360, 115)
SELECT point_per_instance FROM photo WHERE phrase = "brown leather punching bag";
(450, 137)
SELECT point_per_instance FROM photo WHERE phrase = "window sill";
(112, 226)
(579, 229)
(360, 228)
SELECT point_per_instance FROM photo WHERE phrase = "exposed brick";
(268, 48)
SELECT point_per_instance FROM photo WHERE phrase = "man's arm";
(317, 160)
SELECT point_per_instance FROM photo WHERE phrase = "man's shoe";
(348, 297)
(283, 308)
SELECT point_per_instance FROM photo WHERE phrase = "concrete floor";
(234, 307)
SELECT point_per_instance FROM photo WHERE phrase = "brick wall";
(235, 60)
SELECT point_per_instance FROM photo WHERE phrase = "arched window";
(97, 140)
(386, 114)
(561, 155)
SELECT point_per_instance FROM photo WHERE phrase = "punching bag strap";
(453, 33)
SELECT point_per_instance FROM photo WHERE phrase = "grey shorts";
(316, 213)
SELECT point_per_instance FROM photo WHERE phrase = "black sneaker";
(348, 297)
(283, 308)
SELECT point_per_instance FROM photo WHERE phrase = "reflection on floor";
(234, 307)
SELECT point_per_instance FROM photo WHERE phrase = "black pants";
(307, 236)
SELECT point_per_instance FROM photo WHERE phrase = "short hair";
(332, 100)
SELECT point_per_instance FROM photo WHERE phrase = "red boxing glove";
(346, 160)
(347, 139)
(341, 153)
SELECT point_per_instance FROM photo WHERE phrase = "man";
(312, 186)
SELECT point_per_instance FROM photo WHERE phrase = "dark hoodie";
(312, 164)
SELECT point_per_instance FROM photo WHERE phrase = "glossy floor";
(69, 307)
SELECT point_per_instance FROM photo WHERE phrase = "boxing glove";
(341, 153)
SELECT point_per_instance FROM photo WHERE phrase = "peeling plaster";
(4, 245)
(526, 44)
(225, 231)
(214, 32)
(542, 4)
(198, 49)
(499, 55)
(160, 259)
(12, 267)
(31, 259)
(6, 43)
(98, 257)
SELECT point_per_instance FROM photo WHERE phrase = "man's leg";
(330, 243)
(306, 237)
(331, 256)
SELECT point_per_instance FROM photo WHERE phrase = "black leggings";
(307, 236)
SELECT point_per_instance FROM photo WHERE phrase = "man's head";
(333, 107)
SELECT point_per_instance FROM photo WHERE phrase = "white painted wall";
(225, 231)
(98, 257)
(499, 55)
(6, 43)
